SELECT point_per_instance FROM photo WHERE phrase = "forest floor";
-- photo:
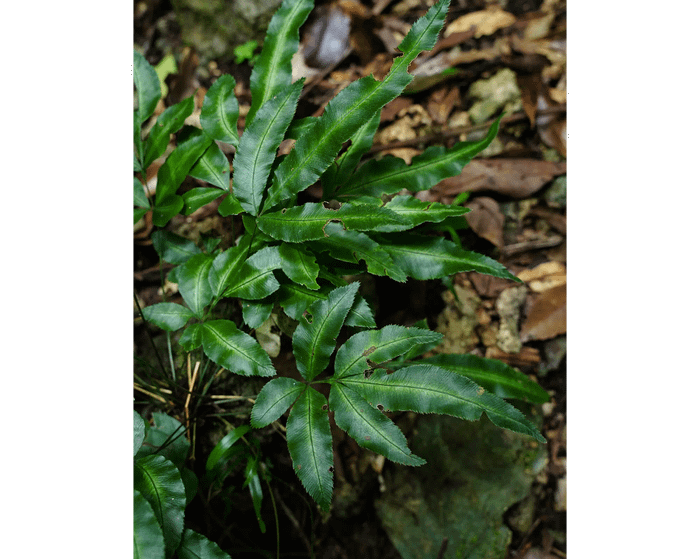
(492, 57)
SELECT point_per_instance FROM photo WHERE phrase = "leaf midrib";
(417, 389)
(366, 422)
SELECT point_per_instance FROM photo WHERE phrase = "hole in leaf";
(332, 204)
(380, 407)
(368, 373)
(332, 221)
(324, 407)
(331, 470)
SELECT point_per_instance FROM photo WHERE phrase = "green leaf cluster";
(163, 487)
(291, 263)
(364, 386)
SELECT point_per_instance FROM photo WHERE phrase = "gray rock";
(215, 28)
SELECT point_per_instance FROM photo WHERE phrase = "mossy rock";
(475, 472)
(215, 28)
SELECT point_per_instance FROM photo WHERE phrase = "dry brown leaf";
(529, 92)
(486, 22)
(441, 103)
(394, 107)
(486, 219)
(488, 286)
(547, 316)
(545, 276)
(184, 83)
(518, 178)
(527, 357)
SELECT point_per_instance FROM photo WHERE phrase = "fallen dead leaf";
(441, 103)
(393, 108)
(518, 178)
(486, 22)
(184, 83)
(545, 276)
(486, 219)
(529, 91)
(488, 286)
(527, 357)
(547, 316)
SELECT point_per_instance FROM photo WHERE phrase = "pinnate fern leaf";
(274, 399)
(315, 337)
(168, 316)
(369, 426)
(342, 169)
(353, 246)
(308, 222)
(423, 257)
(193, 282)
(147, 87)
(311, 445)
(414, 212)
(497, 377)
(431, 389)
(219, 116)
(213, 168)
(168, 122)
(273, 70)
(349, 111)
(234, 350)
(258, 147)
(225, 268)
(255, 279)
(299, 265)
(378, 346)
(391, 174)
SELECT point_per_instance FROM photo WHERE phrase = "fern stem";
(274, 510)
(150, 336)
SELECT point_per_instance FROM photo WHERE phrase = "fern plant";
(163, 486)
(292, 262)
